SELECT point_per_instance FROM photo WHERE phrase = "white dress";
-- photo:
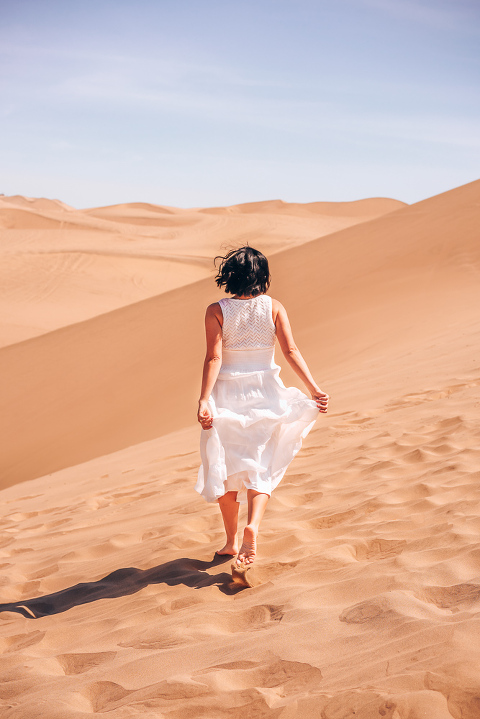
(258, 423)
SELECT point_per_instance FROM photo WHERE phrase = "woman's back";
(247, 324)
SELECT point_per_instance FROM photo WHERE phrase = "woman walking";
(252, 425)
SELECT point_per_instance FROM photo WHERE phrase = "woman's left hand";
(321, 398)
(204, 415)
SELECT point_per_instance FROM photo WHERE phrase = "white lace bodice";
(247, 324)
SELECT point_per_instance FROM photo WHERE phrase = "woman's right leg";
(257, 502)
(229, 508)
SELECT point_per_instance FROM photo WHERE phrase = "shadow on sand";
(190, 572)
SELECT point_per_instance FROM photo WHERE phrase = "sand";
(367, 583)
(60, 265)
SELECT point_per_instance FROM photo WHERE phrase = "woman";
(252, 424)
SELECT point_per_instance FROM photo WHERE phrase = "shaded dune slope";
(60, 265)
(133, 374)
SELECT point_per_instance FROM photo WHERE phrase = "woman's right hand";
(321, 398)
(204, 415)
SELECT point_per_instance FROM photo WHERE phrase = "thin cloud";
(315, 118)
(173, 71)
(455, 14)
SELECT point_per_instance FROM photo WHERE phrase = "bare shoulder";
(214, 307)
(214, 311)
(277, 309)
(276, 305)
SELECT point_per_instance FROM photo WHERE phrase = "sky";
(196, 103)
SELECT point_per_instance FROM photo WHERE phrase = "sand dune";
(368, 579)
(369, 293)
(371, 207)
(368, 576)
(132, 209)
(61, 265)
(35, 203)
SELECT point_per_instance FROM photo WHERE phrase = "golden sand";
(367, 582)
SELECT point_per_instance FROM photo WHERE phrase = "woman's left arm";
(213, 362)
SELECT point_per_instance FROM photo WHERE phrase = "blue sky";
(214, 102)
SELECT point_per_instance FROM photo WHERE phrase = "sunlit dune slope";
(394, 297)
(60, 265)
(366, 605)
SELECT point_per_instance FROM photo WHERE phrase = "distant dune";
(371, 207)
(61, 265)
(41, 204)
(367, 579)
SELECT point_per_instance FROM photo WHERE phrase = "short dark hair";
(243, 272)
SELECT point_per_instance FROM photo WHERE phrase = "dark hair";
(243, 272)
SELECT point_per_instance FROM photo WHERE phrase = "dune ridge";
(367, 582)
(61, 265)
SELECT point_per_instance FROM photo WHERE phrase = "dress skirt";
(258, 427)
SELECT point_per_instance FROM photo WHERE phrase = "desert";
(367, 583)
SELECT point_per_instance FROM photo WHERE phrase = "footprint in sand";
(380, 548)
(104, 695)
(452, 597)
(286, 677)
(365, 611)
(258, 618)
(81, 662)
(21, 641)
(331, 520)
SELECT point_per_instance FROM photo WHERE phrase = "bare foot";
(231, 548)
(248, 549)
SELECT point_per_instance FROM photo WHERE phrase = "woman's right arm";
(213, 362)
(294, 357)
